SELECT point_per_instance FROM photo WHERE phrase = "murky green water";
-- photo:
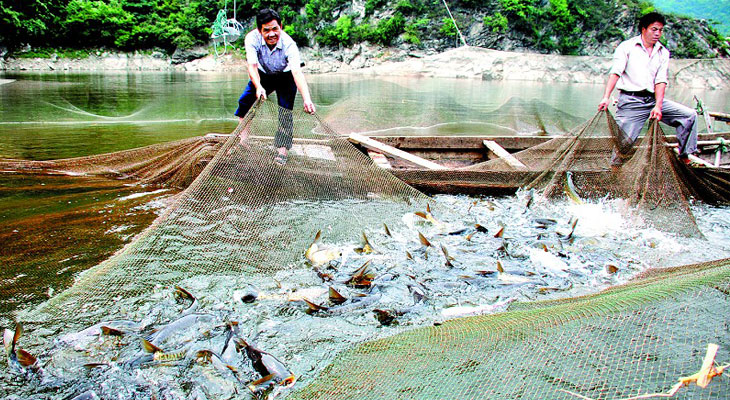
(47, 116)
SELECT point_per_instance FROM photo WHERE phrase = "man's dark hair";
(265, 16)
(650, 18)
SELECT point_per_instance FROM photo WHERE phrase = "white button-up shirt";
(282, 58)
(637, 69)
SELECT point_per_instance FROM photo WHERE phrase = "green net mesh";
(632, 340)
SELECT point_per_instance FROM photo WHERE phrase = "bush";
(448, 28)
(413, 31)
(496, 23)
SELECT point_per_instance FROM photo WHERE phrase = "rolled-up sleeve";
(620, 59)
(294, 60)
(251, 55)
(662, 74)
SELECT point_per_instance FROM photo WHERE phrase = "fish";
(209, 356)
(158, 337)
(423, 240)
(313, 308)
(462, 311)
(562, 233)
(10, 341)
(366, 248)
(335, 297)
(385, 317)
(362, 277)
(181, 293)
(319, 256)
(272, 370)
(500, 232)
(418, 293)
(447, 256)
(547, 261)
(228, 352)
(569, 188)
(159, 355)
(509, 279)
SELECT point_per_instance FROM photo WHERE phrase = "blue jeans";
(286, 91)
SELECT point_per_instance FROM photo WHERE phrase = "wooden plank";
(503, 154)
(695, 159)
(393, 152)
(720, 116)
(380, 160)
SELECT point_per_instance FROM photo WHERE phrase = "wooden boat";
(433, 163)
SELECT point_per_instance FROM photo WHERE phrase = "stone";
(181, 56)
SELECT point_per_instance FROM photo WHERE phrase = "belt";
(643, 93)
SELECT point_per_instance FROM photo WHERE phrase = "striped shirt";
(637, 69)
(282, 58)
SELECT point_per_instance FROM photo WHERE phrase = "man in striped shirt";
(640, 72)
(274, 65)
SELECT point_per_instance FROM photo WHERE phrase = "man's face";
(271, 31)
(652, 33)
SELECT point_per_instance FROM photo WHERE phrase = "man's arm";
(303, 88)
(253, 74)
(656, 112)
(610, 85)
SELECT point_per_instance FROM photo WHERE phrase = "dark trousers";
(286, 91)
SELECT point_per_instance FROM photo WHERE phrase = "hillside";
(570, 27)
(713, 10)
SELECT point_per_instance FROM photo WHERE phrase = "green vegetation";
(717, 11)
(549, 26)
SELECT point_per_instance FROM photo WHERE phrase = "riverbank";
(463, 62)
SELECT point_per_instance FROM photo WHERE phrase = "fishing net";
(174, 164)
(632, 340)
(244, 214)
(595, 161)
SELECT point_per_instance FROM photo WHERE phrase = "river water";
(68, 115)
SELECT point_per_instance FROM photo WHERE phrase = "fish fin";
(480, 228)
(240, 344)
(409, 255)
(265, 381)
(105, 330)
(468, 237)
(26, 359)
(288, 381)
(500, 232)
(183, 294)
(387, 231)
(335, 297)
(313, 307)
(95, 365)
(428, 208)
(499, 267)
(421, 214)
(317, 236)
(149, 347)
(423, 240)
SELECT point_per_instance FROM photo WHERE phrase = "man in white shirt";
(639, 71)
(274, 65)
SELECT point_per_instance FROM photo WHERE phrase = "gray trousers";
(633, 111)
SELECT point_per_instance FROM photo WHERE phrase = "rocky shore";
(463, 62)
